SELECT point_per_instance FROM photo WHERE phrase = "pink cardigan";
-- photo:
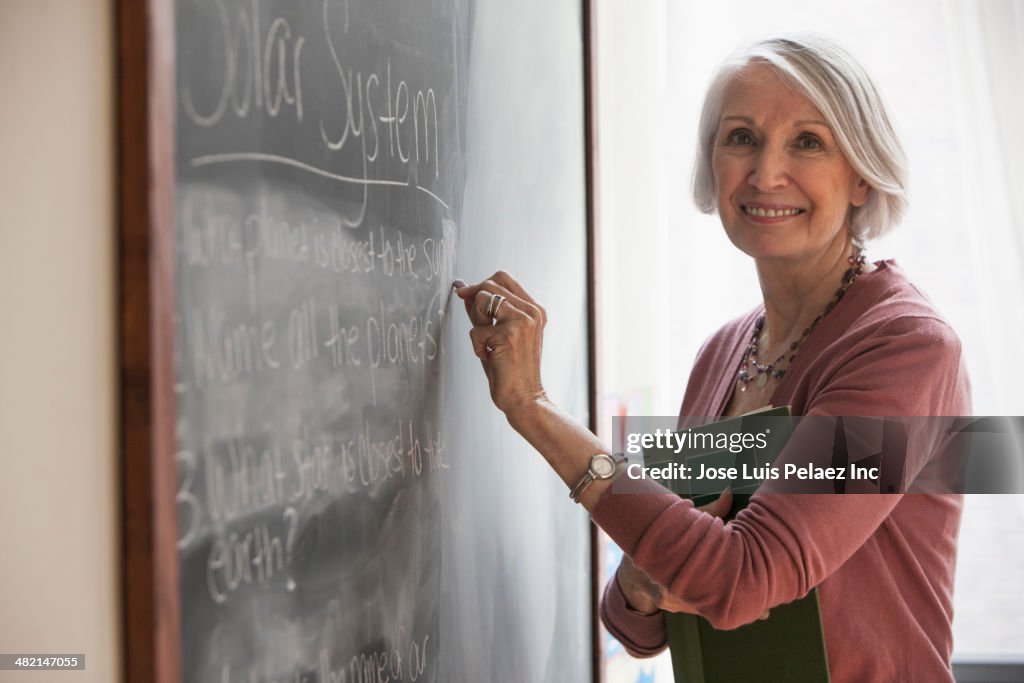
(884, 564)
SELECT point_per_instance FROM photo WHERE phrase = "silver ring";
(493, 305)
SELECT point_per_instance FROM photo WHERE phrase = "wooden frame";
(145, 176)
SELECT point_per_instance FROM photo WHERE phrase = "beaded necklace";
(777, 368)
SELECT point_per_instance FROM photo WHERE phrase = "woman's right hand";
(508, 343)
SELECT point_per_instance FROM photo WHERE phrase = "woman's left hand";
(645, 596)
(507, 337)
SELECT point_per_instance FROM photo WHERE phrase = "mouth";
(770, 212)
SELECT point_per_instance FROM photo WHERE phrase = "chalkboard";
(350, 506)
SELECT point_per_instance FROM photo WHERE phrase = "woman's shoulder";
(890, 305)
(888, 351)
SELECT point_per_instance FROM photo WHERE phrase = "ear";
(861, 192)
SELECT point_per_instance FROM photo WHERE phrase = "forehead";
(758, 92)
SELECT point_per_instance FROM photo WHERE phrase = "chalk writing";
(315, 248)
(251, 556)
(261, 69)
(241, 474)
(246, 474)
(225, 351)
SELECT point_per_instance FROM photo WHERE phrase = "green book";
(790, 644)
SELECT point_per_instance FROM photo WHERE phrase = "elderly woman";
(799, 160)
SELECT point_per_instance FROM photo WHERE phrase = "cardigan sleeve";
(643, 635)
(782, 545)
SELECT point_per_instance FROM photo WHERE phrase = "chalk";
(458, 284)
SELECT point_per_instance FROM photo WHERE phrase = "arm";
(778, 548)
(509, 349)
(781, 546)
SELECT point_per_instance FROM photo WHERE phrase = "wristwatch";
(602, 466)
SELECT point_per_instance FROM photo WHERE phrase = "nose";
(770, 171)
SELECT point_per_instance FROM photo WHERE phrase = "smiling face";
(785, 189)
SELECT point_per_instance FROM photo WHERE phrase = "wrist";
(643, 605)
(524, 412)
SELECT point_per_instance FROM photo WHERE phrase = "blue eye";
(808, 142)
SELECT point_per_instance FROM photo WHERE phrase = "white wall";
(58, 469)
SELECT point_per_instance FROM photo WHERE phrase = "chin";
(780, 242)
(766, 246)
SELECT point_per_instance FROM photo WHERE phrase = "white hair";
(843, 92)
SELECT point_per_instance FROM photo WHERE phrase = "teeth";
(770, 213)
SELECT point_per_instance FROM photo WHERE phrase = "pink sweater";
(884, 564)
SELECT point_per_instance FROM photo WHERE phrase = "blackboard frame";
(150, 608)
(145, 173)
(590, 123)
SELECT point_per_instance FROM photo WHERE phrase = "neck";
(796, 292)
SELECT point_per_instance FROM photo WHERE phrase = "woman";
(799, 160)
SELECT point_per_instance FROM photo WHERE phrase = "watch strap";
(589, 478)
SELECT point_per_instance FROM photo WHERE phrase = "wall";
(58, 487)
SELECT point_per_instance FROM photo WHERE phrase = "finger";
(670, 603)
(642, 596)
(503, 283)
(721, 506)
(767, 613)
(511, 284)
(486, 340)
(477, 307)
(465, 290)
(467, 293)
(490, 338)
(487, 308)
(481, 315)
(526, 305)
(500, 308)
(479, 337)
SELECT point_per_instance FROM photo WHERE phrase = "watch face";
(602, 466)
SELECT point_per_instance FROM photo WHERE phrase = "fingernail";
(459, 284)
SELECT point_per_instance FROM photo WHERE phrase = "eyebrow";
(803, 122)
